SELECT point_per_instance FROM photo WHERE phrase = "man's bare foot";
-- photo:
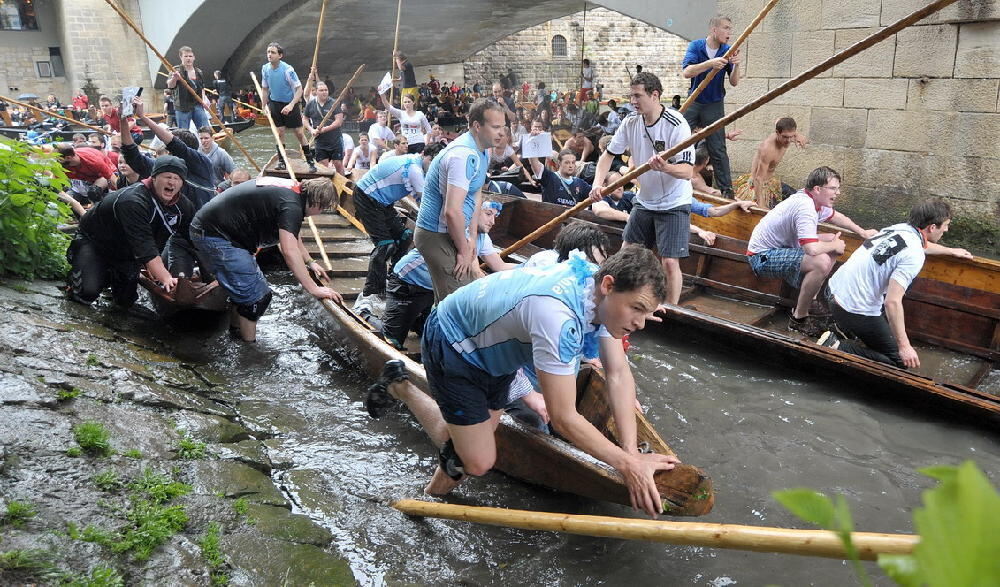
(441, 483)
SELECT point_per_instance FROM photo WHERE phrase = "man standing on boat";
(704, 56)
(264, 212)
(187, 109)
(329, 144)
(282, 94)
(868, 289)
(542, 319)
(760, 185)
(661, 216)
(785, 243)
(452, 199)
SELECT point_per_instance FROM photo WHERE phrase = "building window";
(44, 68)
(559, 46)
(17, 15)
(55, 58)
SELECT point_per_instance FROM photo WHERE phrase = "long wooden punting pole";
(183, 81)
(319, 30)
(61, 117)
(291, 172)
(736, 115)
(755, 538)
(732, 49)
(392, 66)
(340, 98)
(250, 106)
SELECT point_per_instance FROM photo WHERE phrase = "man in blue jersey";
(451, 200)
(542, 319)
(704, 56)
(282, 95)
(374, 196)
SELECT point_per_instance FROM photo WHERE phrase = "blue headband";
(497, 206)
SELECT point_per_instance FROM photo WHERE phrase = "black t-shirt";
(249, 216)
(556, 191)
(222, 87)
(315, 113)
(409, 77)
(622, 205)
(132, 223)
(185, 101)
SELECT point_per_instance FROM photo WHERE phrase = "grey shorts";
(665, 231)
(439, 252)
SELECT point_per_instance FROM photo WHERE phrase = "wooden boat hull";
(950, 305)
(191, 299)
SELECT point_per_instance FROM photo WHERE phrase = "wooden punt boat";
(523, 452)
(192, 300)
(952, 312)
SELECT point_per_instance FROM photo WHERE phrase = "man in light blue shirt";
(282, 95)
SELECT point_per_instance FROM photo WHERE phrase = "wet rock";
(284, 525)
(162, 396)
(34, 431)
(312, 492)
(211, 428)
(16, 390)
(132, 428)
(249, 452)
(234, 480)
(266, 561)
(179, 559)
(271, 417)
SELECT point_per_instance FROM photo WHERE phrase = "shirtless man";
(760, 185)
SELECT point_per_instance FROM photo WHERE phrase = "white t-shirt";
(377, 131)
(413, 127)
(347, 142)
(658, 191)
(588, 77)
(499, 156)
(896, 253)
(789, 225)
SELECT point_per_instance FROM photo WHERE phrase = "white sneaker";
(371, 303)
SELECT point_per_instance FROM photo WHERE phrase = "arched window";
(559, 46)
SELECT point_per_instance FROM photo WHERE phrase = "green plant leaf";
(811, 506)
(901, 568)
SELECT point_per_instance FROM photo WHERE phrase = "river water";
(754, 428)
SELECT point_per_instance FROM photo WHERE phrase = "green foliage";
(241, 506)
(28, 561)
(190, 449)
(93, 438)
(210, 550)
(158, 488)
(151, 524)
(68, 394)
(100, 576)
(93, 361)
(18, 512)
(73, 451)
(133, 453)
(107, 481)
(30, 244)
(957, 528)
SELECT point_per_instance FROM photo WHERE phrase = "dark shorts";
(235, 268)
(324, 152)
(665, 231)
(415, 148)
(292, 120)
(784, 263)
(465, 393)
(405, 304)
(383, 224)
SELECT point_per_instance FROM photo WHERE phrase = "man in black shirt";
(225, 92)
(329, 146)
(129, 229)
(255, 214)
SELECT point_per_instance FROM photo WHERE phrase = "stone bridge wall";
(917, 115)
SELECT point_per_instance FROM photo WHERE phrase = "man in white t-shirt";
(586, 82)
(661, 213)
(379, 134)
(878, 273)
(785, 243)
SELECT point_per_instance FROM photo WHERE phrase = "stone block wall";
(18, 68)
(917, 115)
(610, 40)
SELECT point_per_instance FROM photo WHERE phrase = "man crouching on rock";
(264, 212)
(129, 229)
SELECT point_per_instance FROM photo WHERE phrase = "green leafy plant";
(30, 244)
(957, 526)
(100, 576)
(68, 394)
(241, 506)
(158, 488)
(212, 554)
(18, 512)
(92, 360)
(133, 453)
(73, 451)
(93, 438)
(107, 481)
(190, 449)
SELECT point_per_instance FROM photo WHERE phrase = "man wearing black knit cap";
(129, 229)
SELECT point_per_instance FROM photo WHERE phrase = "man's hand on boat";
(909, 357)
(326, 293)
(159, 272)
(637, 471)
(317, 270)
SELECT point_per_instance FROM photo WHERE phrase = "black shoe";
(307, 152)
(728, 194)
(806, 326)
(378, 399)
(829, 339)
(280, 165)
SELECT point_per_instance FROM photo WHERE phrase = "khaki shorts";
(439, 252)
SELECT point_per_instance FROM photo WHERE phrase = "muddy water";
(754, 428)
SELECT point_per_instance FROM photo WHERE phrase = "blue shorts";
(465, 393)
(235, 268)
(786, 263)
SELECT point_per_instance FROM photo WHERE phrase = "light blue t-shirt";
(280, 82)
(394, 179)
(699, 208)
(460, 164)
(413, 269)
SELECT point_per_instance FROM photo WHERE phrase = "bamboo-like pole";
(250, 106)
(319, 29)
(732, 49)
(291, 173)
(392, 66)
(748, 108)
(756, 538)
(339, 100)
(61, 117)
(128, 20)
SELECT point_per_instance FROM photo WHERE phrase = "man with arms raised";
(452, 199)
(760, 185)
(260, 213)
(785, 243)
(661, 213)
(560, 187)
(868, 289)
